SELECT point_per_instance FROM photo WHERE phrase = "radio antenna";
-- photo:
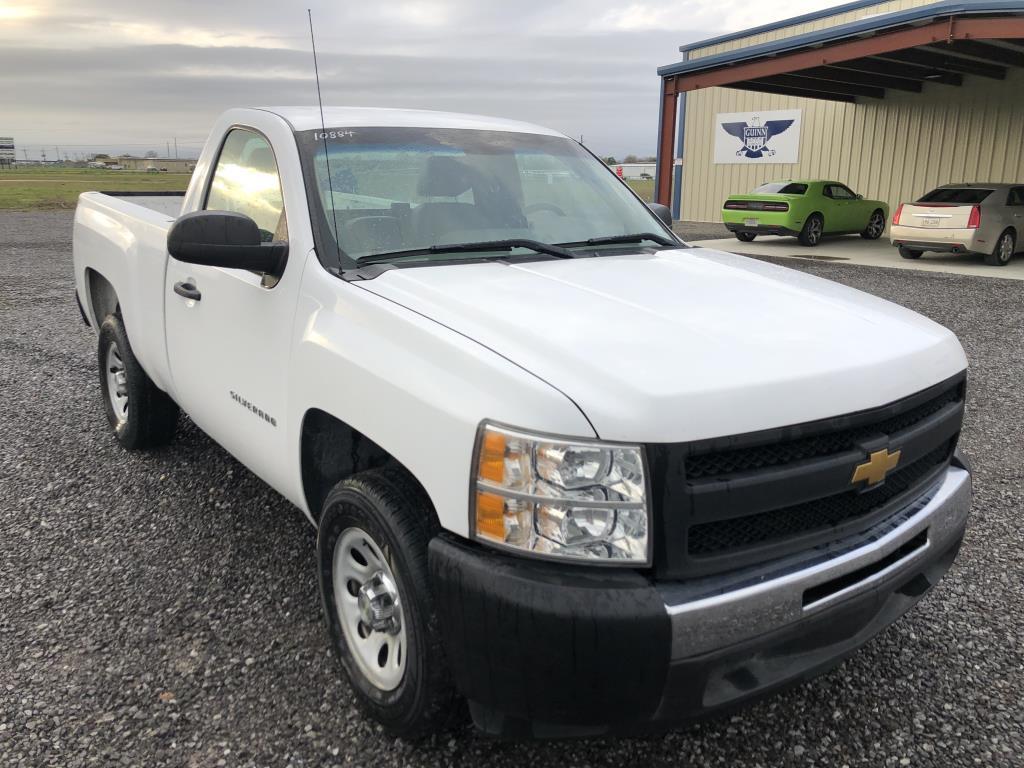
(323, 135)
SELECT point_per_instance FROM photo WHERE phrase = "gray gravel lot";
(162, 609)
(700, 230)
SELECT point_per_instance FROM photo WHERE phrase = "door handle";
(188, 290)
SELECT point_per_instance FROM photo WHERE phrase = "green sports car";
(805, 209)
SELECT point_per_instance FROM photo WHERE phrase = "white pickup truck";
(563, 465)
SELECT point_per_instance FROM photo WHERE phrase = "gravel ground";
(700, 230)
(162, 609)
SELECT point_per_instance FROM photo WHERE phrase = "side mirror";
(224, 239)
(860, 197)
(662, 212)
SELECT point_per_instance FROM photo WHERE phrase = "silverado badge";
(876, 467)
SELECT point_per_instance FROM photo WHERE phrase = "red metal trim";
(937, 32)
(666, 141)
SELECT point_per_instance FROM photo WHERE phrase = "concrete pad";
(871, 253)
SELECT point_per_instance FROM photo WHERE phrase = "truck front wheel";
(377, 605)
(140, 413)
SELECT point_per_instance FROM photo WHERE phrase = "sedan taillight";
(974, 221)
(896, 216)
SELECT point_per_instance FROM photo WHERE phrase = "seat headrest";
(444, 176)
(262, 158)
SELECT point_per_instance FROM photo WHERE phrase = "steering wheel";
(549, 207)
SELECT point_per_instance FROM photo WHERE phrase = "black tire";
(745, 237)
(1001, 254)
(876, 225)
(909, 253)
(151, 416)
(392, 509)
(813, 229)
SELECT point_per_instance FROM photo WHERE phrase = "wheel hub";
(377, 601)
(117, 383)
(369, 608)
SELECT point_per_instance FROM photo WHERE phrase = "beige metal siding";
(812, 26)
(891, 149)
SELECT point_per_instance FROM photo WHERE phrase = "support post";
(666, 141)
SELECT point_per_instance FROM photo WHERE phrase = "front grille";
(774, 454)
(750, 530)
(730, 502)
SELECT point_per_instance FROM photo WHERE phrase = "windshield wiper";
(612, 239)
(489, 245)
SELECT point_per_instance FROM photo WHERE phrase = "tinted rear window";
(781, 188)
(956, 195)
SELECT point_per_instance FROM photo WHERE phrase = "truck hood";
(685, 344)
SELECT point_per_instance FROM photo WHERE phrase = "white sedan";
(962, 218)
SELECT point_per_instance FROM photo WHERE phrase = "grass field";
(36, 188)
(643, 187)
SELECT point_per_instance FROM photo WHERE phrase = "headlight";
(577, 499)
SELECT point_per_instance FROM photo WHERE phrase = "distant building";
(169, 164)
(634, 170)
(6, 152)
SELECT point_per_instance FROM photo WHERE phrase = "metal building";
(893, 98)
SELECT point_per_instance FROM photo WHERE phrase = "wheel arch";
(102, 298)
(332, 450)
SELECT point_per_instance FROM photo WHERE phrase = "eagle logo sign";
(755, 137)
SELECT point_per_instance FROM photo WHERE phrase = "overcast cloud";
(129, 75)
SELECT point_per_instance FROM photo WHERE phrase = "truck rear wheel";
(140, 413)
(377, 605)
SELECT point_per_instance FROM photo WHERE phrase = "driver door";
(228, 330)
(845, 205)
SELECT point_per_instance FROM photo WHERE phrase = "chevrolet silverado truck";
(563, 466)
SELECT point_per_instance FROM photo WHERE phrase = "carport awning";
(900, 51)
(937, 43)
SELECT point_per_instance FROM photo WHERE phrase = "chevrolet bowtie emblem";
(876, 467)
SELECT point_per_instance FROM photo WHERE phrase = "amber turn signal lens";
(490, 516)
(492, 458)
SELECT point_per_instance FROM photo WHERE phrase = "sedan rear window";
(956, 195)
(781, 188)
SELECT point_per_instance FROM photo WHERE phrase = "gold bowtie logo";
(876, 467)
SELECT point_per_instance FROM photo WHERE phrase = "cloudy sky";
(133, 75)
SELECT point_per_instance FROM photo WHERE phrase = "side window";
(1016, 196)
(246, 181)
(839, 192)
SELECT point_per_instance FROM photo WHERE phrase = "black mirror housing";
(224, 239)
(662, 212)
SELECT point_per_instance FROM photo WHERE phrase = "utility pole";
(25, 153)
(175, 147)
(168, 149)
(44, 156)
(57, 149)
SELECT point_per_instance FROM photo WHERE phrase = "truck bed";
(123, 237)
(168, 203)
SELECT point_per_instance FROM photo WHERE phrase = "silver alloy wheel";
(876, 225)
(369, 608)
(1006, 247)
(814, 229)
(117, 383)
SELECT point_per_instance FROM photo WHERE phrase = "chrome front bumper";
(708, 615)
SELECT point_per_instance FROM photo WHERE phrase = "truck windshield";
(388, 190)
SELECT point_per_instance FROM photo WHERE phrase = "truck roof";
(308, 118)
